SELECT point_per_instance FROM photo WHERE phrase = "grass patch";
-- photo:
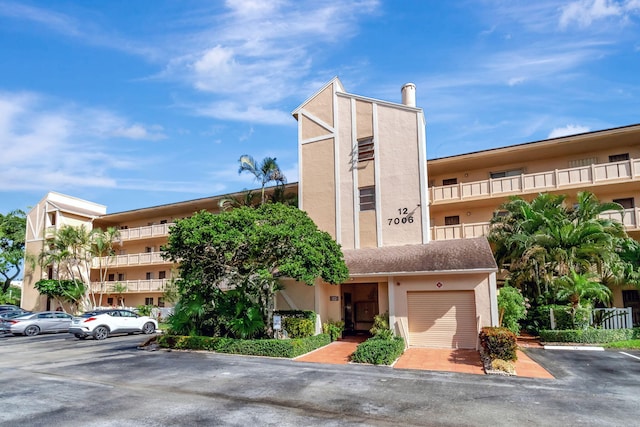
(626, 345)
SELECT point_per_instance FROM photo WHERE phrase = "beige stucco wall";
(399, 172)
(300, 294)
(368, 229)
(318, 184)
(364, 119)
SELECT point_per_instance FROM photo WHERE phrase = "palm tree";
(247, 199)
(265, 172)
(580, 290)
(102, 246)
(541, 240)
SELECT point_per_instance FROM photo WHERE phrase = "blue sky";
(139, 103)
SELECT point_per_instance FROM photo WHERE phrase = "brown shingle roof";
(444, 255)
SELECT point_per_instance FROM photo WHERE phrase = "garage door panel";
(443, 319)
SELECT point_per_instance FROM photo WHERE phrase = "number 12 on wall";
(401, 220)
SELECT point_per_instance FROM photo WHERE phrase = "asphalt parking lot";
(59, 380)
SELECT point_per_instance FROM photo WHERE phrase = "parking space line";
(630, 355)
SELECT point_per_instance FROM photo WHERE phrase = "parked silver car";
(36, 323)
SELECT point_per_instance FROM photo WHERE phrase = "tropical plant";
(248, 198)
(102, 246)
(580, 290)
(511, 308)
(539, 241)
(12, 240)
(333, 328)
(70, 291)
(119, 289)
(264, 172)
(248, 250)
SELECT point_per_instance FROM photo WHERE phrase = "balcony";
(628, 170)
(628, 217)
(153, 285)
(146, 258)
(149, 231)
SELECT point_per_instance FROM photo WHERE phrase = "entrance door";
(360, 306)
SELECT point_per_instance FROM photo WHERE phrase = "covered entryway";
(442, 319)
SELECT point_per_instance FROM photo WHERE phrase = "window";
(149, 275)
(504, 174)
(50, 272)
(148, 249)
(164, 221)
(365, 149)
(150, 223)
(368, 199)
(619, 157)
(124, 227)
(450, 181)
(162, 275)
(112, 277)
(109, 301)
(452, 220)
(148, 301)
(120, 277)
(583, 162)
(627, 203)
(498, 214)
(160, 302)
(52, 218)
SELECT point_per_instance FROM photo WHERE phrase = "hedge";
(499, 343)
(590, 335)
(270, 347)
(379, 351)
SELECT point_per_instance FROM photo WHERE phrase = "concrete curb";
(573, 347)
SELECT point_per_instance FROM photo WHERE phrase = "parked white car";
(102, 323)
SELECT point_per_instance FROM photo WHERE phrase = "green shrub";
(298, 327)
(380, 323)
(267, 347)
(333, 329)
(590, 335)
(378, 351)
(299, 314)
(499, 343)
(511, 308)
(145, 310)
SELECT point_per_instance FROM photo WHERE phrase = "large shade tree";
(539, 241)
(238, 256)
(12, 240)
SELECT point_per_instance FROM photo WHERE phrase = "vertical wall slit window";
(365, 149)
(368, 198)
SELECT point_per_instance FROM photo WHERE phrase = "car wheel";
(80, 336)
(101, 333)
(148, 328)
(32, 330)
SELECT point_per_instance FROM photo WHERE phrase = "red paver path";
(430, 359)
(336, 353)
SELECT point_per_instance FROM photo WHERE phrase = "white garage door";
(442, 319)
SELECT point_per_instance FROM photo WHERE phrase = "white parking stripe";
(630, 355)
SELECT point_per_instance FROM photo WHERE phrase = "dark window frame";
(365, 149)
(368, 198)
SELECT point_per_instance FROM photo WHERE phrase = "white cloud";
(515, 81)
(46, 145)
(568, 130)
(586, 12)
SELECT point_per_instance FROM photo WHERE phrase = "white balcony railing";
(144, 258)
(155, 230)
(628, 170)
(628, 217)
(153, 285)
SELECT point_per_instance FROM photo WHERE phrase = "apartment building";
(411, 229)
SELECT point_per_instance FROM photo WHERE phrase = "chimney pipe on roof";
(409, 95)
